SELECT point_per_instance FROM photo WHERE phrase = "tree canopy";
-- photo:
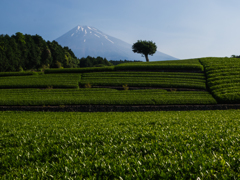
(28, 52)
(94, 62)
(145, 48)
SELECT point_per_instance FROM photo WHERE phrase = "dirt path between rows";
(119, 108)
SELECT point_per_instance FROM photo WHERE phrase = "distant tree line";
(235, 56)
(99, 62)
(115, 62)
(94, 62)
(26, 52)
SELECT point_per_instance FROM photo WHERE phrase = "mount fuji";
(88, 41)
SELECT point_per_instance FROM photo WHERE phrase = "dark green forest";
(31, 52)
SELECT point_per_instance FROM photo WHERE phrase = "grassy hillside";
(218, 77)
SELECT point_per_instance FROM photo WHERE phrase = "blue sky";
(181, 28)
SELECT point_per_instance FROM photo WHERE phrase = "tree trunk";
(146, 56)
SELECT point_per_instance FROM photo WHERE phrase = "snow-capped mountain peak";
(89, 41)
(88, 31)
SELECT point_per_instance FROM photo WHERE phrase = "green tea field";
(203, 81)
(171, 144)
(118, 145)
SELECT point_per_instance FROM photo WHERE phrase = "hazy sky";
(180, 28)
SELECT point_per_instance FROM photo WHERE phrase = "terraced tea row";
(135, 145)
(137, 79)
(27, 73)
(147, 79)
(177, 65)
(101, 96)
(145, 74)
(223, 78)
(41, 81)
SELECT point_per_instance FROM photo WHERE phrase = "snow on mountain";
(89, 41)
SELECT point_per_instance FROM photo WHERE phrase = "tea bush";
(135, 145)
(101, 96)
(223, 78)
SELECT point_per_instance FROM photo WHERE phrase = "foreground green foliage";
(147, 79)
(136, 145)
(102, 96)
(223, 78)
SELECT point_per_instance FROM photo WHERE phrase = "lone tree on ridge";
(145, 48)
